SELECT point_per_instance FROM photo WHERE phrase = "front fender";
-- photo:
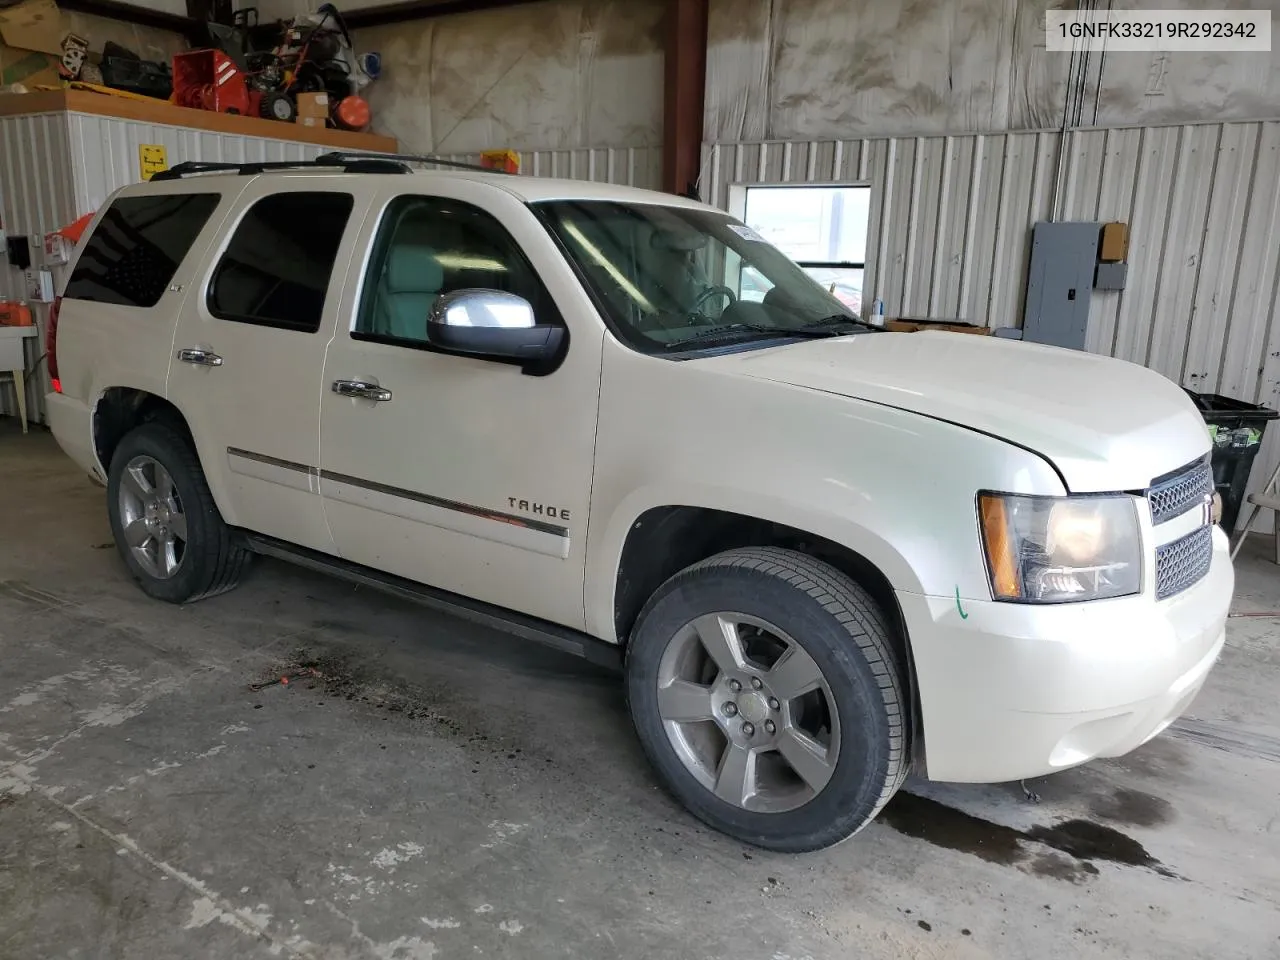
(896, 487)
(604, 550)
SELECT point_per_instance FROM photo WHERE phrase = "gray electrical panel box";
(1064, 259)
(1111, 276)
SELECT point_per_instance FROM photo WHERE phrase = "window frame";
(209, 221)
(739, 197)
(371, 262)
(229, 233)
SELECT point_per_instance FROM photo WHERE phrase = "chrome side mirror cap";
(491, 324)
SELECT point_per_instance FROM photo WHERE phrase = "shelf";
(159, 112)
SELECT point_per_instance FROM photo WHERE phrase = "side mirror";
(491, 324)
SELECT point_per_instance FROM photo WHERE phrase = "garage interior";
(304, 768)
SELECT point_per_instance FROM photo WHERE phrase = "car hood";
(1105, 424)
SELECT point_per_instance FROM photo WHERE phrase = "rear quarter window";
(137, 247)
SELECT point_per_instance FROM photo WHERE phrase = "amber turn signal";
(995, 533)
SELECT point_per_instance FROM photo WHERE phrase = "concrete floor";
(443, 791)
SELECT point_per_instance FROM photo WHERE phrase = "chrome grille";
(1175, 496)
(1183, 563)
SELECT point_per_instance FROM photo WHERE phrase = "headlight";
(1059, 549)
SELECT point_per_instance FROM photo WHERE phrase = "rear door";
(248, 355)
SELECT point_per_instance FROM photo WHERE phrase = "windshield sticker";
(746, 233)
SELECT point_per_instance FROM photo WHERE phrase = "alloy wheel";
(152, 517)
(749, 712)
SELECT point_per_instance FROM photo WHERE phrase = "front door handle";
(362, 390)
(200, 357)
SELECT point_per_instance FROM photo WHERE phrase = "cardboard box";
(312, 122)
(28, 68)
(313, 105)
(33, 25)
(1114, 246)
(912, 326)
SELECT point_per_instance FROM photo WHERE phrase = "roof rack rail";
(353, 163)
(347, 156)
(348, 161)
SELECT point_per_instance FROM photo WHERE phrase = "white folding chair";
(1268, 498)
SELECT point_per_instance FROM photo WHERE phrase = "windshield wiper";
(753, 331)
(839, 319)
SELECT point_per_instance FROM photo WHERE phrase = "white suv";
(827, 554)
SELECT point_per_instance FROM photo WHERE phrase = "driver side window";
(428, 246)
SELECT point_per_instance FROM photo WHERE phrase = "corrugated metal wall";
(106, 157)
(627, 166)
(951, 219)
(56, 167)
(36, 185)
(37, 196)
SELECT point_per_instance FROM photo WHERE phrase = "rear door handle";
(361, 389)
(200, 357)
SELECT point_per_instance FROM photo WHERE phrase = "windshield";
(671, 279)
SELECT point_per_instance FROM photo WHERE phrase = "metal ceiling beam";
(421, 9)
(685, 83)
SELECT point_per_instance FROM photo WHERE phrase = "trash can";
(1236, 428)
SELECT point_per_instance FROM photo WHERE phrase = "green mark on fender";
(963, 615)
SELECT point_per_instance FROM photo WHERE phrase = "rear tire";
(790, 754)
(167, 527)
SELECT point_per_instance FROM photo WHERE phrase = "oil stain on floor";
(1132, 807)
(1065, 851)
(1074, 845)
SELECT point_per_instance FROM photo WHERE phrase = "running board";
(485, 614)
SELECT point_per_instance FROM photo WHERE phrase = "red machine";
(210, 80)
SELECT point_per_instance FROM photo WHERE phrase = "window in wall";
(138, 246)
(275, 271)
(823, 229)
(427, 246)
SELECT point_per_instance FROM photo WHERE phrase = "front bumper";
(1009, 691)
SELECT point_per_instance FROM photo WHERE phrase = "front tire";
(769, 698)
(166, 525)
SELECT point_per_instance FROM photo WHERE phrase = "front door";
(468, 475)
(249, 353)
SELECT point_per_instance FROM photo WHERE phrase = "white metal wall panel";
(951, 220)
(106, 151)
(55, 167)
(625, 166)
(950, 216)
(36, 197)
(35, 183)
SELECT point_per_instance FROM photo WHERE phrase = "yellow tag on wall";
(152, 159)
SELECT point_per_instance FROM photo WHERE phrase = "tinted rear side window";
(276, 269)
(137, 247)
